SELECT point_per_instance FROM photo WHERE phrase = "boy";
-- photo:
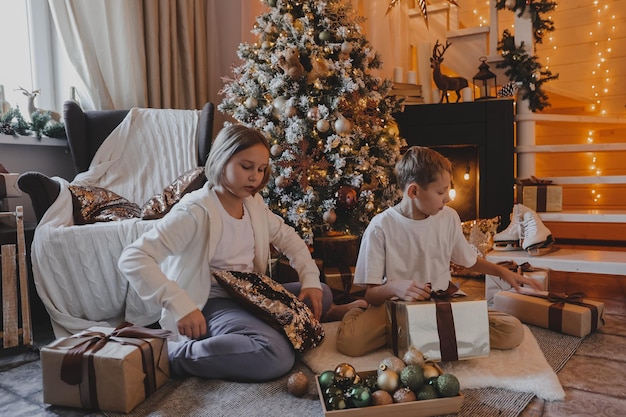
(406, 252)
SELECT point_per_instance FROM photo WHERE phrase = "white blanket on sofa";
(75, 266)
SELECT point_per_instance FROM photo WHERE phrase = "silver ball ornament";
(322, 125)
(276, 150)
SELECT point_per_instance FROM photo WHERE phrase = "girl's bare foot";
(337, 311)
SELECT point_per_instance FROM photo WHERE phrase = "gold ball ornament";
(276, 150)
(342, 125)
(298, 384)
(322, 125)
(369, 206)
(330, 216)
(324, 36)
(346, 47)
(251, 103)
(388, 380)
(430, 371)
(345, 374)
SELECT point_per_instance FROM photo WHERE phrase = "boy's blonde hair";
(422, 166)
(228, 142)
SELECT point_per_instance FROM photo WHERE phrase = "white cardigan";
(189, 234)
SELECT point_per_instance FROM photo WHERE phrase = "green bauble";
(412, 377)
(448, 385)
(336, 402)
(371, 382)
(327, 378)
(360, 395)
(324, 36)
(427, 392)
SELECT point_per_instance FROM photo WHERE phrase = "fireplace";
(478, 138)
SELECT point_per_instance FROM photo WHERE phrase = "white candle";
(411, 77)
(436, 96)
(423, 69)
(397, 75)
(467, 94)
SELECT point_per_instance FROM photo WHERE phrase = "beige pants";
(364, 330)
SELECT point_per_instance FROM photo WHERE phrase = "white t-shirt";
(396, 247)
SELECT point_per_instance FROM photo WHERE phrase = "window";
(32, 57)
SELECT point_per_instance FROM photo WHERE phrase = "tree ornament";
(369, 206)
(403, 395)
(290, 111)
(346, 47)
(336, 402)
(326, 379)
(271, 3)
(281, 181)
(414, 356)
(360, 395)
(391, 362)
(322, 125)
(388, 380)
(346, 197)
(381, 397)
(251, 103)
(330, 216)
(324, 36)
(298, 384)
(276, 150)
(313, 114)
(345, 375)
(342, 125)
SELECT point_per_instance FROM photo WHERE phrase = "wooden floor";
(594, 379)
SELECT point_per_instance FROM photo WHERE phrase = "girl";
(223, 226)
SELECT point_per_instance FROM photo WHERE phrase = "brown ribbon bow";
(555, 312)
(445, 322)
(534, 181)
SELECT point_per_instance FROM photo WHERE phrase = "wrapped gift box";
(442, 330)
(541, 198)
(341, 281)
(571, 315)
(494, 284)
(336, 250)
(105, 369)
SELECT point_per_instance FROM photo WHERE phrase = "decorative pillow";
(280, 308)
(479, 234)
(95, 204)
(160, 204)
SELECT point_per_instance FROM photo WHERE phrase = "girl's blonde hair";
(228, 142)
(422, 166)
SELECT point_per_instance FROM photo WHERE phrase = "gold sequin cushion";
(94, 204)
(272, 302)
(160, 204)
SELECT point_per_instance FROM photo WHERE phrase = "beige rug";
(522, 369)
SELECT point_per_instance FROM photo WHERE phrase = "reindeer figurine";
(444, 82)
(31, 104)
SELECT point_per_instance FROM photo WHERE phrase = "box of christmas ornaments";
(409, 386)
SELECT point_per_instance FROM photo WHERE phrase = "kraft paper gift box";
(441, 330)
(569, 314)
(494, 284)
(104, 368)
(341, 280)
(542, 198)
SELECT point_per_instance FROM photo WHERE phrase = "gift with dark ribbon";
(77, 371)
(495, 284)
(565, 313)
(540, 195)
(443, 328)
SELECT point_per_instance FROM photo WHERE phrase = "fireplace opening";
(465, 176)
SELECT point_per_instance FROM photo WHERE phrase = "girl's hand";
(193, 325)
(314, 295)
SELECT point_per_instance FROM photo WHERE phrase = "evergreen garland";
(524, 70)
(13, 123)
(535, 9)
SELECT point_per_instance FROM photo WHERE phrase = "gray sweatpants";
(239, 346)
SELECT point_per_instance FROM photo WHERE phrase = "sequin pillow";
(280, 308)
(160, 204)
(94, 204)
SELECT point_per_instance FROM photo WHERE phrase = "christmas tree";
(307, 83)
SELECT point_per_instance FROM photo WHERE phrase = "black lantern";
(484, 81)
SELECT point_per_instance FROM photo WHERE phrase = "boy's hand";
(409, 290)
(193, 325)
(516, 280)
